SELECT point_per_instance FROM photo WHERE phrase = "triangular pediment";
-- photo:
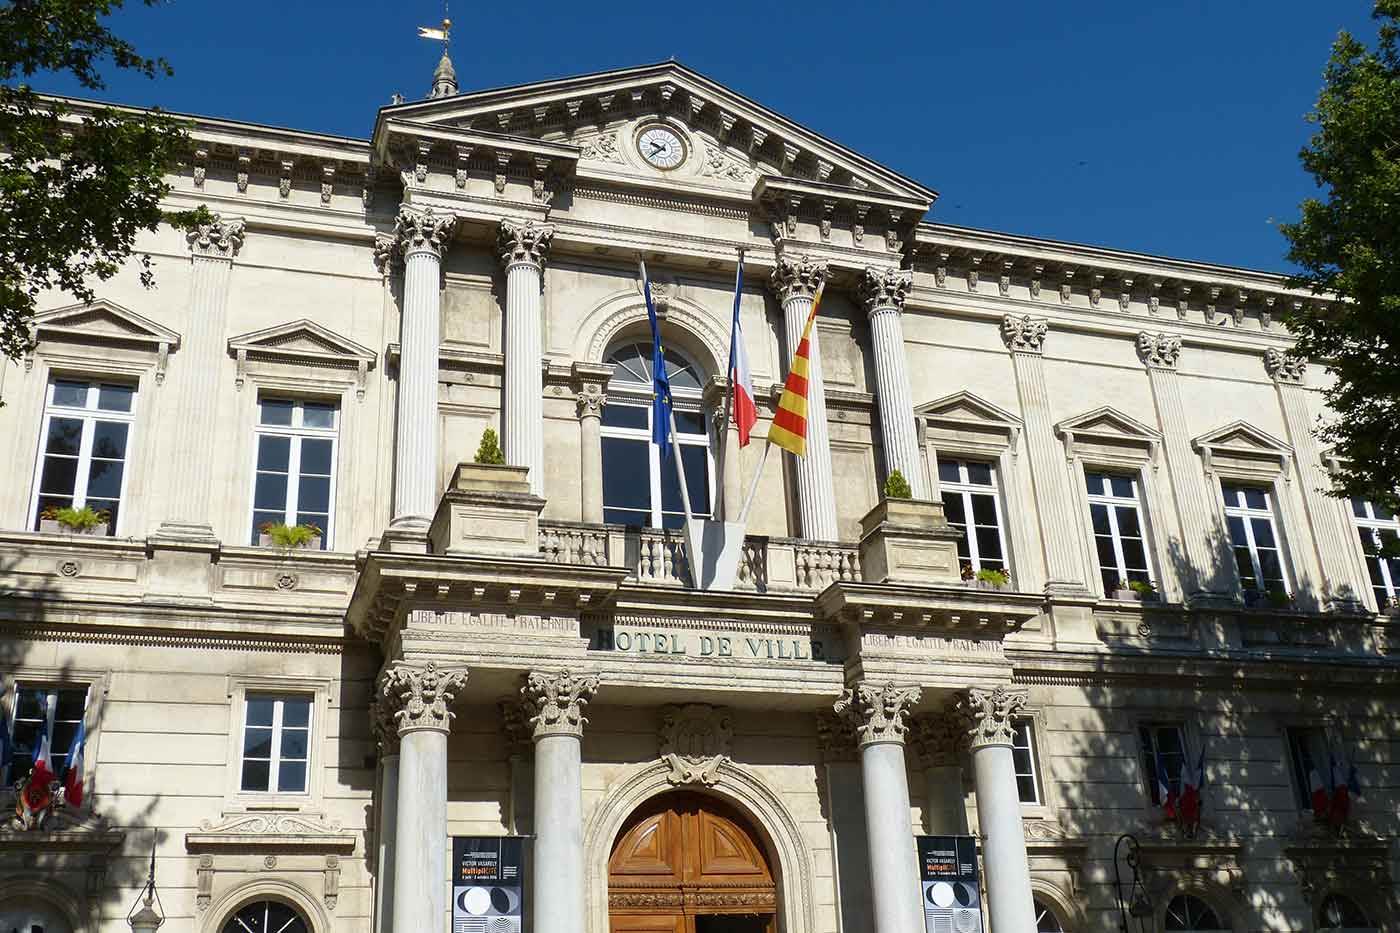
(1240, 437)
(103, 320)
(969, 408)
(1108, 422)
(304, 341)
(732, 141)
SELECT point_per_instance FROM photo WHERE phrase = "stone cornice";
(956, 609)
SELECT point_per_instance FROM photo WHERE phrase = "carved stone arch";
(687, 324)
(1067, 910)
(761, 804)
(1225, 902)
(73, 907)
(1373, 902)
(273, 889)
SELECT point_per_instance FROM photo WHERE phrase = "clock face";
(661, 147)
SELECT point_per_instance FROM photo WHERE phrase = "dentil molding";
(879, 712)
(420, 696)
(555, 701)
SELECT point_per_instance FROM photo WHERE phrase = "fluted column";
(590, 384)
(939, 741)
(422, 234)
(555, 702)
(989, 716)
(386, 805)
(879, 714)
(1056, 511)
(203, 356)
(1330, 538)
(420, 698)
(523, 246)
(883, 291)
(795, 283)
(1204, 575)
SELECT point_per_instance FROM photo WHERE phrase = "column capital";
(988, 716)
(524, 241)
(878, 712)
(555, 701)
(590, 382)
(886, 287)
(384, 726)
(797, 278)
(422, 228)
(1023, 333)
(419, 697)
(1285, 368)
(1158, 351)
(836, 737)
(217, 239)
(939, 739)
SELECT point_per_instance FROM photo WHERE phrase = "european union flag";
(660, 382)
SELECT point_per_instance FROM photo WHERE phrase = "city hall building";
(322, 660)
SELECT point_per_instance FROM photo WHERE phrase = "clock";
(661, 147)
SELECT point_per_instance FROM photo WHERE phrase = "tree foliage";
(1347, 243)
(75, 187)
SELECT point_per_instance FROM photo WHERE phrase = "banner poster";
(488, 884)
(952, 895)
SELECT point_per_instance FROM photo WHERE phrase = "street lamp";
(147, 914)
(1138, 905)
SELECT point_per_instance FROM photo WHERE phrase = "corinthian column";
(883, 292)
(523, 246)
(421, 236)
(795, 283)
(202, 355)
(419, 698)
(989, 716)
(879, 712)
(590, 387)
(555, 703)
(386, 806)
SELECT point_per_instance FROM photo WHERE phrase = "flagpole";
(753, 486)
(680, 468)
(718, 511)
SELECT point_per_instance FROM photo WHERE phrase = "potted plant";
(897, 487)
(489, 450)
(68, 520)
(989, 579)
(1280, 599)
(1135, 591)
(289, 537)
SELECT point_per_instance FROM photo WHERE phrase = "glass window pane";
(33, 704)
(65, 436)
(953, 508)
(115, 398)
(948, 471)
(1099, 514)
(1255, 498)
(270, 491)
(274, 453)
(105, 479)
(1107, 557)
(984, 510)
(294, 743)
(318, 415)
(276, 411)
(988, 544)
(690, 422)
(1134, 557)
(1245, 566)
(70, 394)
(313, 494)
(1122, 487)
(70, 704)
(1231, 494)
(255, 775)
(1095, 483)
(695, 460)
(296, 711)
(291, 776)
(638, 519)
(1128, 522)
(315, 456)
(260, 711)
(1263, 532)
(979, 474)
(626, 474)
(60, 476)
(257, 743)
(1237, 532)
(1025, 788)
(1271, 567)
(109, 439)
(625, 416)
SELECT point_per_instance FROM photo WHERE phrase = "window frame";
(89, 415)
(52, 689)
(1224, 917)
(322, 692)
(1025, 725)
(1276, 524)
(95, 681)
(1153, 727)
(1389, 567)
(1044, 809)
(297, 432)
(274, 759)
(1297, 775)
(1111, 504)
(966, 489)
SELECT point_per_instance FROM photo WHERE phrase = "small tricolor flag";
(745, 412)
(789, 427)
(1317, 791)
(73, 776)
(1191, 784)
(1166, 794)
(35, 796)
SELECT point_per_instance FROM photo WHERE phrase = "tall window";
(87, 430)
(294, 479)
(1165, 742)
(1378, 527)
(55, 711)
(640, 487)
(1023, 757)
(1045, 919)
(276, 743)
(1249, 514)
(266, 917)
(1308, 752)
(971, 504)
(1119, 537)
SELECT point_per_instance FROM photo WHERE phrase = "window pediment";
(1242, 448)
(1107, 434)
(104, 323)
(302, 343)
(966, 421)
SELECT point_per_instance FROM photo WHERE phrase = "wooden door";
(686, 856)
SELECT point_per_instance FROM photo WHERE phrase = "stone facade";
(475, 651)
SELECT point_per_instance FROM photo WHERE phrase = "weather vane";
(441, 33)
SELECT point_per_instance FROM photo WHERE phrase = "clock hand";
(657, 147)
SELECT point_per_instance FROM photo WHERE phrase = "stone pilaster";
(1202, 542)
(1329, 534)
(795, 283)
(523, 247)
(421, 236)
(882, 291)
(879, 713)
(1056, 511)
(989, 719)
(202, 360)
(386, 809)
(590, 382)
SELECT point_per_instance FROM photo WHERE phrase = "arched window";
(1339, 912)
(1190, 914)
(266, 917)
(32, 915)
(1045, 919)
(640, 487)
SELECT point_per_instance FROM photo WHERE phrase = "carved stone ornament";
(384, 247)
(939, 739)
(884, 288)
(1284, 367)
(218, 239)
(555, 701)
(989, 715)
(384, 726)
(797, 278)
(718, 166)
(1159, 351)
(591, 401)
(420, 696)
(1024, 334)
(695, 741)
(836, 737)
(524, 241)
(878, 712)
(602, 149)
(423, 228)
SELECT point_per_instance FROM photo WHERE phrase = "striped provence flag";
(789, 427)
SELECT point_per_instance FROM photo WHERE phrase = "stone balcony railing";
(658, 557)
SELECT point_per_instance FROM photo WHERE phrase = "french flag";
(35, 794)
(73, 777)
(1341, 793)
(1165, 795)
(1191, 791)
(1318, 792)
(745, 411)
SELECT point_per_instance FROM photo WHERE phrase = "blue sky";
(1164, 127)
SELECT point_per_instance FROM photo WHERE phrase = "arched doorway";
(687, 863)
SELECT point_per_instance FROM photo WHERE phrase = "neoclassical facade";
(1118, 573)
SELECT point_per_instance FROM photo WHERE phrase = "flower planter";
(51, 527)
(1127, 596)
(313, 545)
(908, 541)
